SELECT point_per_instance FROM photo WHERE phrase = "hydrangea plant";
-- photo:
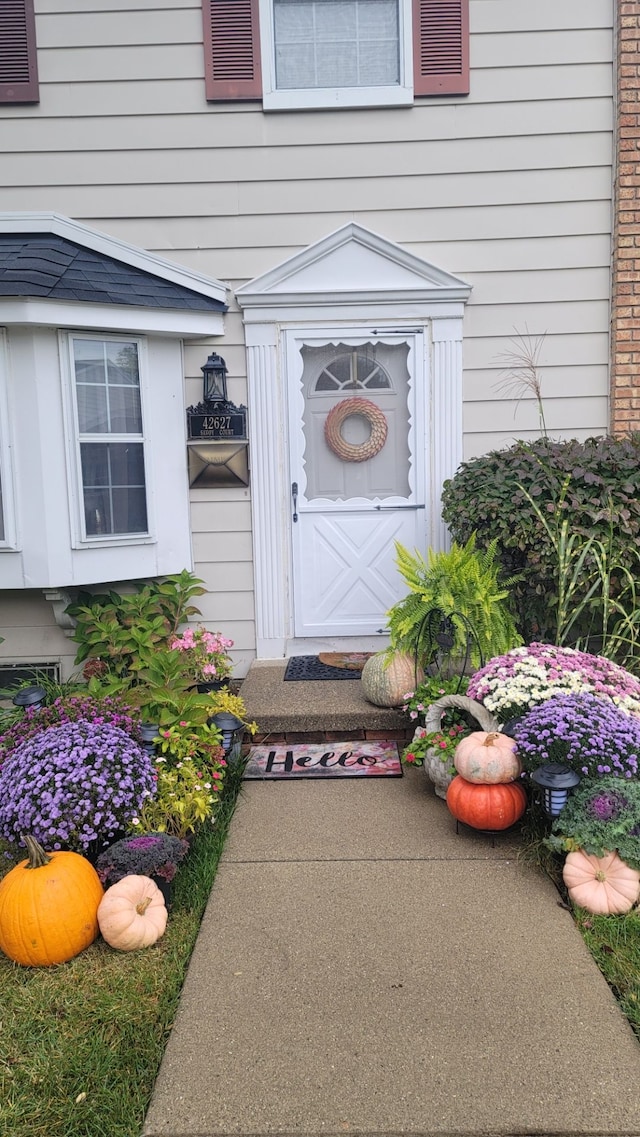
(74, 786)
(205, 654)
(527, 676)
(584, 731)
(599, 817)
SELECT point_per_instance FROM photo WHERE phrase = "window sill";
(337, 98)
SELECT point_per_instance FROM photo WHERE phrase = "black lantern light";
(30, 697)
(215, 379)
(148, 733)
(231, 729)
(557, 781)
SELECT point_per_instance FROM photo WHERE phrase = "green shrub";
(500, 496)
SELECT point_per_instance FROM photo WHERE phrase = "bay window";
(110, 436)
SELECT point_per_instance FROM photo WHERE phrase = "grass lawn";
(81, 1043)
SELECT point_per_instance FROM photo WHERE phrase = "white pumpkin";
(132, 913)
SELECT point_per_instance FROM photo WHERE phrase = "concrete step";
(321, 711)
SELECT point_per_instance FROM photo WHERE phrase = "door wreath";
(348, 451)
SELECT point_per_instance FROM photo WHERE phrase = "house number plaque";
(218, 420)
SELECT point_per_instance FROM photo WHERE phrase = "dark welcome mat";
(311, 667)
(325, 760)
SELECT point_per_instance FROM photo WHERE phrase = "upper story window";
(336, 43)
(18, 61)
(110, 437)
(295, 54)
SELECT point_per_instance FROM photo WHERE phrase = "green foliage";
(444, 742)
(124, 630)
(464, 581)
(594, 594)
(162, 690)
(594, 484)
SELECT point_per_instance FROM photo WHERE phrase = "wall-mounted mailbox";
(219, 462)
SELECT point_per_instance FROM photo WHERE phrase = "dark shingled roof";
(42, 264)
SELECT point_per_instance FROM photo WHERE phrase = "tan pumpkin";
(132, 913)
(48, 906)
(606, 885)
(386, 679)
(487, 757)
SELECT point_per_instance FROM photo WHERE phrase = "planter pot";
(212, 685)
(438, 772)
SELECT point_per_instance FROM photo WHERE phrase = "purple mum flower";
(584, 731)
(73, 784)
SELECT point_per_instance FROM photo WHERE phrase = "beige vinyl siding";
(30, 632)
(509, 189)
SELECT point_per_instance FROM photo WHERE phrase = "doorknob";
(294, 494)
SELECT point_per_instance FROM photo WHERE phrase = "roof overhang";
(46, 222)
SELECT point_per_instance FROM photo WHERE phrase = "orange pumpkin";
(603, 885)
(487, 757)
(490, 807)
(48, 907)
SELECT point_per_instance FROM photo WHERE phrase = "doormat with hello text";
(324, 760)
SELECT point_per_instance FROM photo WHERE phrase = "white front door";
(358, 430)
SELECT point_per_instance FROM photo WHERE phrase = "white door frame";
(330, 285)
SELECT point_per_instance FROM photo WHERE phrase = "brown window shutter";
(18, 60)
(441, 47)
(232, 49)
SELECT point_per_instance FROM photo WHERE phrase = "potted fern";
(463, 586)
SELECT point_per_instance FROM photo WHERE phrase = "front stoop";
(322, 711)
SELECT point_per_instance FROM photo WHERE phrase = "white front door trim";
(351, 279)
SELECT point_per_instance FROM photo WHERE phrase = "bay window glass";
(110, 433)
(336, 43)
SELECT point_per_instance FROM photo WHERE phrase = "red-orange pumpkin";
(486, 806)
(487, 757)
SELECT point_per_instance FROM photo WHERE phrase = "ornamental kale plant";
(70, 708)
(599, 817)
(584, 731)
(151, 854)
(74, 786)
(528, 676)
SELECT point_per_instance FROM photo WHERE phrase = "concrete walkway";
(363, 969)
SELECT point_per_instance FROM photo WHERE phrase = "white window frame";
(80, 539)
(400, 94)
(9, 543)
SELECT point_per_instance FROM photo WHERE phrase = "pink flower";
(409, 757)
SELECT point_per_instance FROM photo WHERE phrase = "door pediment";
(352, 264)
